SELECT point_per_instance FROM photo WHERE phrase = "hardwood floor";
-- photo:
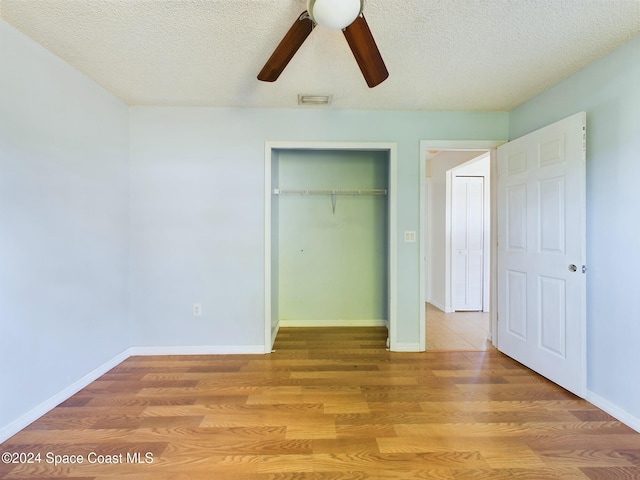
(328, 404)
(457, 331)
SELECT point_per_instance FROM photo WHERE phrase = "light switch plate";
(409, 237)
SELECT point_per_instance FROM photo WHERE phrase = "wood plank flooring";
(328, 404)
(457, 331)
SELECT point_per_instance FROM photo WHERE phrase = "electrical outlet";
(197, 309)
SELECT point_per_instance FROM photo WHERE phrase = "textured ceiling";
(441, 54)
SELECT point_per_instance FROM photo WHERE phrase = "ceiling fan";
(345, 15)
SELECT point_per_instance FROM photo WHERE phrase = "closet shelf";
(278, 191)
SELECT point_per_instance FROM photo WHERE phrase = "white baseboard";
(199, 350)
(335, 323)
(35, 413)
(274, 333)
(405, 347)
(613, 410)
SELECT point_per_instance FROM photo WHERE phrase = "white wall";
(609, 91)
(63, 227)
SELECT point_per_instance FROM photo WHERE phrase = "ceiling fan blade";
(366, 52)
(287, 48)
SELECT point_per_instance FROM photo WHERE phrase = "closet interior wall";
(329, 238)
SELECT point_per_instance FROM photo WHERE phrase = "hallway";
(457, 331)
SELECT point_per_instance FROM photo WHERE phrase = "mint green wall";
(332, 264)
(197, 210)
(609, 91)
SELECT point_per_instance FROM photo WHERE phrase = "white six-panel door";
(541, 252)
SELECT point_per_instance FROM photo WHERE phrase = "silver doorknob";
(573, 268)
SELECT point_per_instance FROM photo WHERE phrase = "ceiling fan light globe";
(334, 14)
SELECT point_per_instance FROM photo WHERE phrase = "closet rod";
(278, 191)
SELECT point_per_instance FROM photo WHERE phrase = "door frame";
(461, 145)
(392, 247)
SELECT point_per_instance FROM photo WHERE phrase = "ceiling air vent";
(314, 99)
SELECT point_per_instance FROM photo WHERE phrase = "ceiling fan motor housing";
(334, 14)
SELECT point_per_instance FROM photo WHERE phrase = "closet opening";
(330, 236)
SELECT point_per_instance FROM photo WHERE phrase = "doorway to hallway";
(457, 331)
(440, 163)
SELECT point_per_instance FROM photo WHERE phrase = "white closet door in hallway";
(467, 239)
